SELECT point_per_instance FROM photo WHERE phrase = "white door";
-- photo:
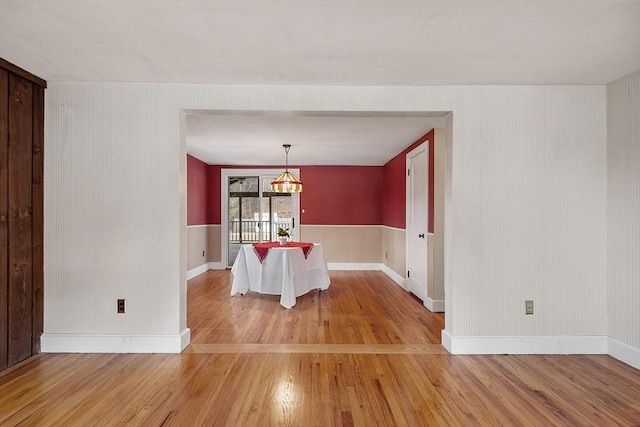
(417, 211)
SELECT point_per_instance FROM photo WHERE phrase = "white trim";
(338, 225)
(445, 337)
(354, 266)
(185, 339)
(202, 225)
(435, 306)
(394, 276)
(85, 343)
(543, 345)
(624, 352)
(218, 265)
(196, 271)
(526, 345)
(388, 227)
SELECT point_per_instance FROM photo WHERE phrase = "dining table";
(289, 270)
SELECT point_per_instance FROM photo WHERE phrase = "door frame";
(227, 173)
(423, 147)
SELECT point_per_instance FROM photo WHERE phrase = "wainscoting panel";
(394, 249)
(214, 239)
(346, 243)
(197, 245)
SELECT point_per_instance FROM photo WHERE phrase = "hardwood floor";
(362, 353)
(360, 307)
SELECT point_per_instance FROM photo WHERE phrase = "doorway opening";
(262, 235)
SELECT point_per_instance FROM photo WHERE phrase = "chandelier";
(286, 182)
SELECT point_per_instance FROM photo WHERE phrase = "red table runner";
(262, 249)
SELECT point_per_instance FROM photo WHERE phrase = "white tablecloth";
(284, 272)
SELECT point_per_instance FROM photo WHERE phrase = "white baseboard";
(445, 337)
(434, 306)
(86, 343)
(354, 266)
(204, 268)
(185, 339)
(219, 265)
(624, 352)
(543, 345)
(197, 271)
(330, 265)
(395, 276)
(525, 345)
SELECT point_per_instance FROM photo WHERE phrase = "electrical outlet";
(528, 306)
(120, 306)
(202, 253)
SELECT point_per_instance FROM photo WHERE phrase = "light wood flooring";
(362, 353)
(360, 307)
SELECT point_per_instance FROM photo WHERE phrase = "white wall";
(526, 202)
(623, 161)
(114, 214)
(529, 212)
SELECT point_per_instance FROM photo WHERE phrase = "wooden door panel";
(37, 237)
(21, 213)
(20, 219)
(4, 217)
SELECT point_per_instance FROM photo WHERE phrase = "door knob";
(421, 236)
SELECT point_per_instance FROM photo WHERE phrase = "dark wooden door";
(21, 213)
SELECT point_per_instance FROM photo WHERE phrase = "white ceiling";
(319, 138)
(321, 43)
(324, 42)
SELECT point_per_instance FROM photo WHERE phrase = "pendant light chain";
(287, 147)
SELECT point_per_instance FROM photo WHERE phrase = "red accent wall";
(341, 195)
(196, 191)
(213, 202)
(332, 195)
(394, 196)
